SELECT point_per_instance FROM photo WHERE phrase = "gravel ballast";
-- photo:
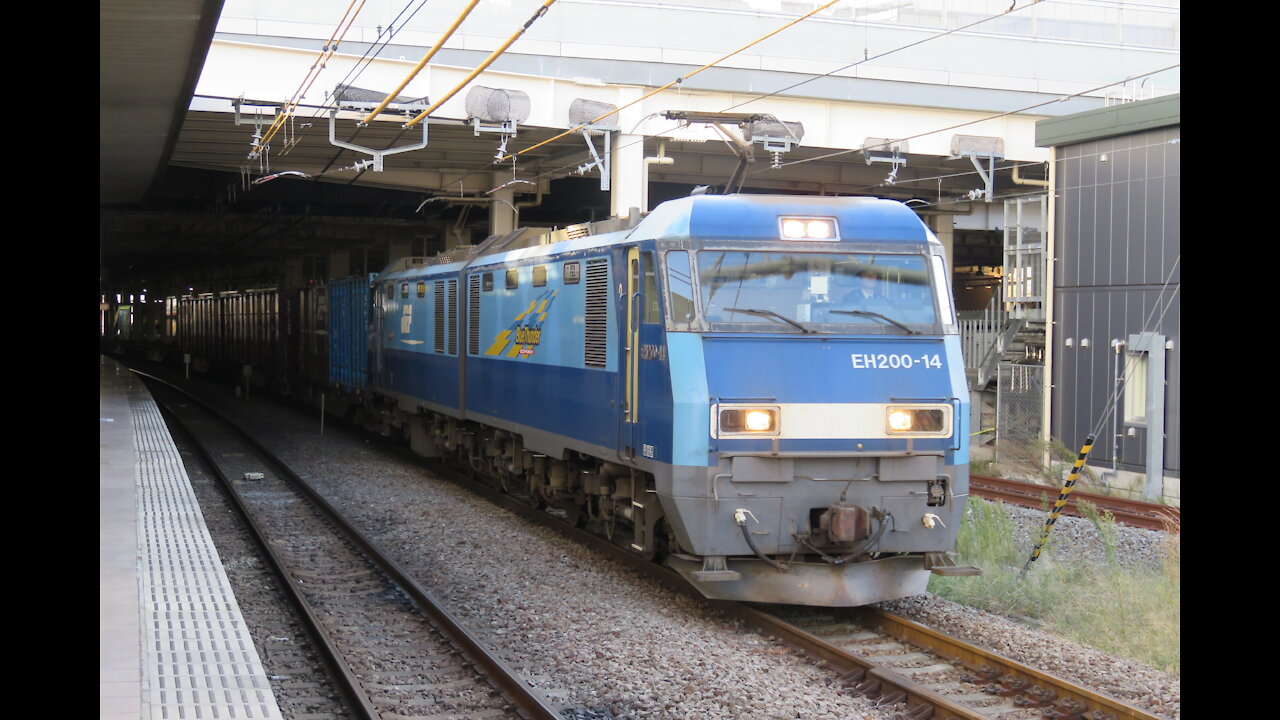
(609, 644)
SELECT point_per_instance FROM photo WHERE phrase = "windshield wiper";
(770, 313)
(876, 315)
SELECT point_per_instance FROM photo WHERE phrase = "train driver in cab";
(868, 294)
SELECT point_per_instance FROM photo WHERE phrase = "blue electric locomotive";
(765, 391)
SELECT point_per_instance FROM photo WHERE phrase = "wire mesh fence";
(1019, 402)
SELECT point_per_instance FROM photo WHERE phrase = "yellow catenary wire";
(487, 62)
(680, 79)
(329, 50)
(423, 62)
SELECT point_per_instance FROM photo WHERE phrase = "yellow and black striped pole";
(1061, 502)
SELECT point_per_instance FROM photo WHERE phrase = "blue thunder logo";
(521, 339)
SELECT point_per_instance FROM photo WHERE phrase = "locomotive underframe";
(551, 471)
(789, 495)
(824, 530)
(906, 507)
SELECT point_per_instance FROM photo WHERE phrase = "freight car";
(269, 338)
(764, 392)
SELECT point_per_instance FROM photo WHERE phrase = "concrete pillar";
(626, 188)
(502, 209)
(339, 264)
(626, 184)
(943, 225)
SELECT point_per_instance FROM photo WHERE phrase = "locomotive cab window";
(404, 290)
(513, 279)
(422, 289)
(487, 280)
(652, 307)
(815, 291)
(680, 287)
(539, 275)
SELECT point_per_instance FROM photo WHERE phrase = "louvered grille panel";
(595, 348)
(473, 313)
(453, 315)
(440, 319)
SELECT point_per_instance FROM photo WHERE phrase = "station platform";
(172, 641)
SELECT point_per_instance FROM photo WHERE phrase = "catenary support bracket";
(605, 163)
(378, 155)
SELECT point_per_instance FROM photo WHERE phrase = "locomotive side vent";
(453, 315)
(473, 314)
(439, 316)
(595, 349)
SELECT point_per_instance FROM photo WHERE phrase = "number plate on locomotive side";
(895, 361)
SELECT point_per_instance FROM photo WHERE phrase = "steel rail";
(861, 673)
(528, 700)
(330, 655)
(1009, 673)
(1151, 516)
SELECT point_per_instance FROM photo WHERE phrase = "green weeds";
(1133, 612)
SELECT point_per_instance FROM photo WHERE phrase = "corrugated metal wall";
(1117, 247)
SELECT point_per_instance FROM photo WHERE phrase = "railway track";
(876, 653)
(392, 649)
(904, 667)
(1130, 512)
(932, 674)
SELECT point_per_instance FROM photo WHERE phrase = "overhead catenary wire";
(1012, 8)
(775, 92)
(488, 61)
(906, 183)
(997, 116)
(423, 62)
(484, 65)
(556, 171)
(376, 48)
(328, 51)
(353, 74)
(685, 77)
(678, 80)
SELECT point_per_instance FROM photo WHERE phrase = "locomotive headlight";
(759, 420)
(917, 421)
(807, 228)
(899, 420)
(819, 229)
(793, 229)
(749, 420)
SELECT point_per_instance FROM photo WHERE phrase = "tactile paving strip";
(198, 658)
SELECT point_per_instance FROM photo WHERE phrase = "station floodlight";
(497, 110)
(775, 135)
(497, 105)
(599, 116)
(886, 150)
(978, 148)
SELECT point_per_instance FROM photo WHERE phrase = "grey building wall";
(1117, 273)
